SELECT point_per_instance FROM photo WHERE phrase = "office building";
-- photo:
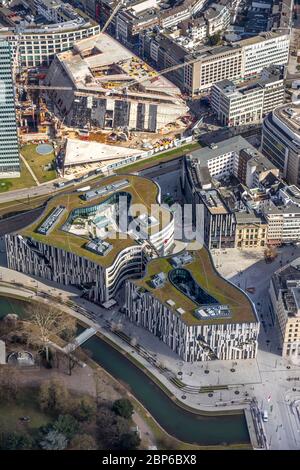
(264, 50)
(95, 240)
(281, 141)
(208, 65)
(184, 302)
(214, 210)
(9, 144)
(38, 30)
(283, 224)
(284, 293)
(247, 103)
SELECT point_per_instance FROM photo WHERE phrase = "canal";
(182, 424)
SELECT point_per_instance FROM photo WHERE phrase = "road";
(292, 72)
(43, 189)
(19, 221)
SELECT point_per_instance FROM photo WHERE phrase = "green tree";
(110, 428)
(15, 441)
(123, 407)
(129, 441)
(215, 39)
(54, 440)
(84, 408)
(67, 425)
(83, 442)
(53, 396)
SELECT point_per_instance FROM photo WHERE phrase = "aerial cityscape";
(149, 226)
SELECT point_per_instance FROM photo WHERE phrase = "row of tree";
(71, 420)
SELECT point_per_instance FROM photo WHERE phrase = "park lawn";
(26, 405)
(25, 181)
(37, 162)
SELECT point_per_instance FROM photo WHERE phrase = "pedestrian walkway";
(30, 170)
(82, 338)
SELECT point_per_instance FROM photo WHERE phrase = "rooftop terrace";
(140, 190)
(203, 272)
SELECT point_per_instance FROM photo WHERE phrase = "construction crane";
(114, 12)
(43, 87)
(158, 74)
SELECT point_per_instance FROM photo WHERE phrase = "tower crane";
(114, 12)
(121, 87)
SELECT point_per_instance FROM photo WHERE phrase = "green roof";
(142, 190)
(204, 273)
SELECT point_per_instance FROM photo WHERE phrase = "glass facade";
(9, 145)
(113, 200)
(184, 281)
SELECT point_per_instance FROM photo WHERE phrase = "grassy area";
(11, 184)
(205, 275)
(161, 158)
(38, 162)
(26, 405)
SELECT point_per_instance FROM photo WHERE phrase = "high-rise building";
(9, 145)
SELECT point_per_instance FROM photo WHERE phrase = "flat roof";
(243, 217)
(202, 270)
(79, 152)
(261, 37)
(142, 191)
(213, 201)
(289, 114)
(234, 144)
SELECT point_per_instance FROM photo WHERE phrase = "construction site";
(100, 92)
(101, 84)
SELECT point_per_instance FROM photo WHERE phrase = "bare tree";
(74, 358)
(47, 322)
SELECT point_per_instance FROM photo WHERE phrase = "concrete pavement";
(279, 378)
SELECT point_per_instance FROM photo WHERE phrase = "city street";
(277, 390)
